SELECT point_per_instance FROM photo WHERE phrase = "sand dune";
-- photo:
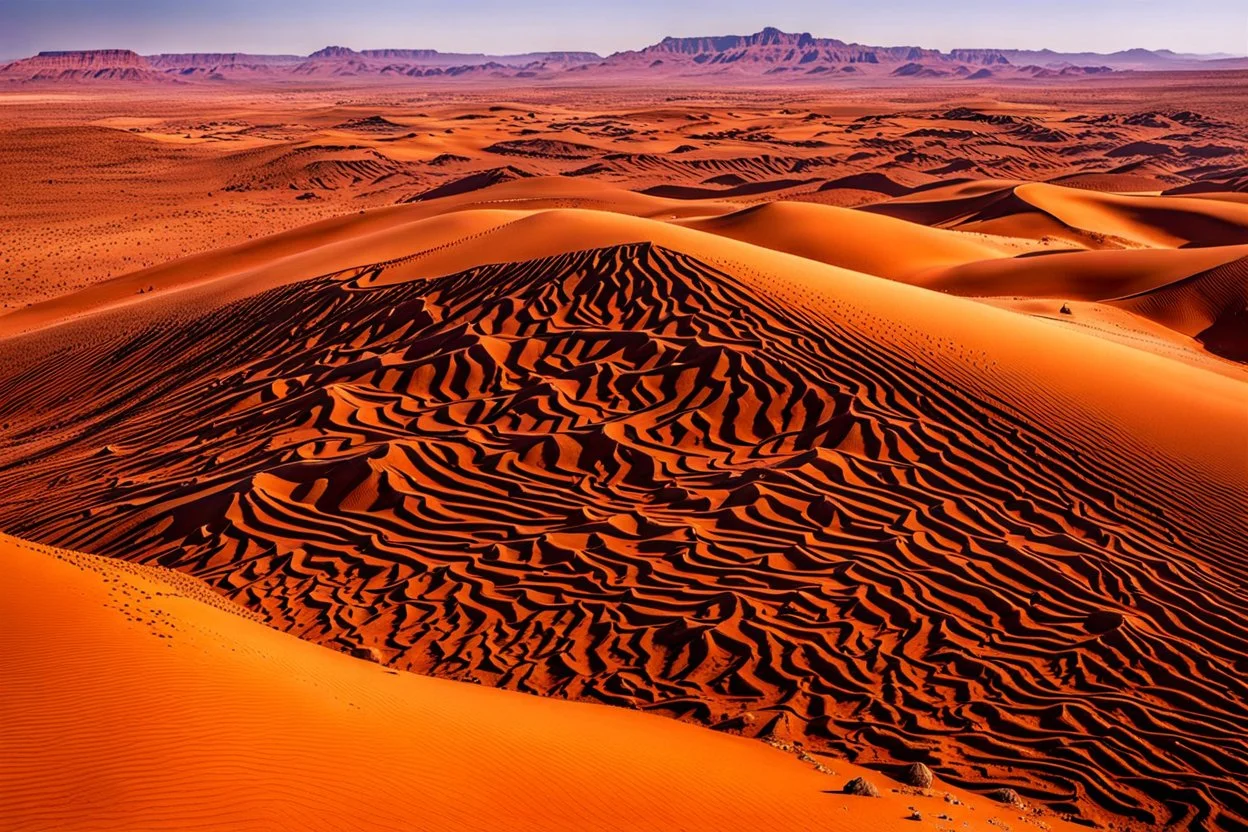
(1155, 221)
(851, 239)
(127, 179)
(1082, 275)
(689, 474)
(1197, 294)
(1209, 307)
(134, 698)
(1082, 217)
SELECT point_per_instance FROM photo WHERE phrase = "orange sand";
(768, 416)
(136, 699)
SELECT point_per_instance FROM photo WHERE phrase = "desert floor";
(886, 427)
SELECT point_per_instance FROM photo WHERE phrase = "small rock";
(861, 787)
(1103, 621)
(368, 654)
(918, 775)
(1007, 796)
(916, 815)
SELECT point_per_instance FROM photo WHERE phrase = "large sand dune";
(685, 473)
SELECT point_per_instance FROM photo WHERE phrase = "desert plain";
(792, 435)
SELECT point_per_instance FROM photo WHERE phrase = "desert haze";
(761, 432)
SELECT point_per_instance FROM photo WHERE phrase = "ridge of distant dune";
(871, 181)
(1195, 293)
(319, 167)
(1149, 220)
(1036, 209)
(694, 476)
(472, 182)
(734, 190)
(851, 239)
(1080, 275)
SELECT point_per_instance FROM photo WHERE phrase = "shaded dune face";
(1211, 307)
(619, 475)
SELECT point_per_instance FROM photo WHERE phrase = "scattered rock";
(1065, 310)
(915, 815)
(1007, 796)
(918, 775)
(861, 787)
(368, 654)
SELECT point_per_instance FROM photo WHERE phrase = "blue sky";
(300, 26)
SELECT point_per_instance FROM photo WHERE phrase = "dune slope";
(1210, 306)
(1088, 219)
(134, 698)
(852, 239)
(1080, 275)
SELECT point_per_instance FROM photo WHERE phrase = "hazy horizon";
(495, 27)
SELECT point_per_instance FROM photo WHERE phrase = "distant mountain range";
(769, 54)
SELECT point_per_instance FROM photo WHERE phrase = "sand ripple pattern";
(617, 475)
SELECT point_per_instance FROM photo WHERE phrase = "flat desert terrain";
(791, 437)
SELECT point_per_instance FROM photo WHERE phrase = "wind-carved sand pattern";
(624, 475)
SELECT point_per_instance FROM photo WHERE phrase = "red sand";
(135, 699)
(959, 478)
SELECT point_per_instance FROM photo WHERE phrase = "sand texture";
(874, 459)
